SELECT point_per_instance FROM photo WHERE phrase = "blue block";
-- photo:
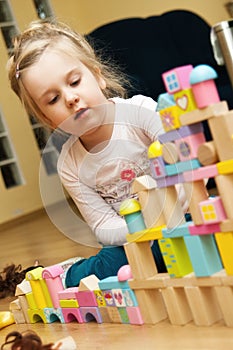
(112, 282)
(181, 167)
(203, 253)
(179, 231)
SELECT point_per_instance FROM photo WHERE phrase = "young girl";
(59, 79)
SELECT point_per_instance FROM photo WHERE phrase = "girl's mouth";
(80, 113)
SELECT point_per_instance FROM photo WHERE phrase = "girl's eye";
(75, 82)
(53, 100)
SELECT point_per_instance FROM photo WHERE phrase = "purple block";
(180, 133)
(170, 180)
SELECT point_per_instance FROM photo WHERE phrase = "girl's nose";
(72, 98)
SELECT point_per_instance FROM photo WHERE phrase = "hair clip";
(17, 73)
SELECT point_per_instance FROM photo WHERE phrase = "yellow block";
(225, 167)
(170, 118)
(175, 256)
(146, 235)
(185, 101)
(31, 300)
(225, 246)
(6, 318)
(71, 303)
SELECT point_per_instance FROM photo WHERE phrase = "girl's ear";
(100, 79)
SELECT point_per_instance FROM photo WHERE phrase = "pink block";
(71, 314)
(91, 313)
(86, 298)
(204, 229)
(177, 79)
(212, 210)
(53, 281)
(124, 273)
(205, 93)
(68, 293)
(134, 315)
(188, 146)
(204, 172)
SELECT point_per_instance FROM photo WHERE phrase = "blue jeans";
(106, 263)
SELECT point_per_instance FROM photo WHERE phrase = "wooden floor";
(36, 237)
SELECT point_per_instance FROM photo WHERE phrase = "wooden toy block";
(177, 79)
(114, 314)
(70, 303)
(99, 298)
(17, 312)
(224, 296)
(129, 297)
(164, 100)
(123, 315)
(225, 189)
(195, 193)
(146, 235)
(39, 288)
(203, 85)
(37, 315)
(145, 187)
(207, 153)
(72, 314)
(131, 210)
(112, 282)
(226, 226)
(204, 305)
(89, 283)
(203, 229)
(157, 167)
(19, 316)
(180, 167)
(170, 118)
(90, 313)
(171, 205)
(222, 131)
(151, 305)
(142, 183)
(23, 288)
(151, 209)
(178, 309)
(24, 306)
(179, 231)
(225, 246)
(109, 298)
(170, 180)
(182, 132)
(68, 293)
(118, 298)
(185, 100)
(170, 153)
(203, 254)
(188, 146)
(134, 315)
(105, 314)
(201, 173)
(52, 277)
(175, 256)
(86, 298)
(53, 315)
(199, 115)
(212, 210)
(141, 259)
(225, 167)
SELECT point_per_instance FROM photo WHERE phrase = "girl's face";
(62, 86)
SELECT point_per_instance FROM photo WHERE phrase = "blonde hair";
(30, 45)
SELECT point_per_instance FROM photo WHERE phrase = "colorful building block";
(212, 210)
(203, 254)
(177, 79)
(185, 100)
